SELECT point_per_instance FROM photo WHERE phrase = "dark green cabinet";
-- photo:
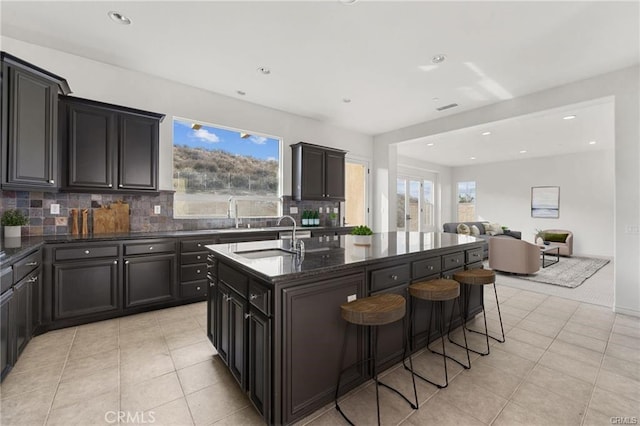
(29, 126)
(108, 148)
(318, 173)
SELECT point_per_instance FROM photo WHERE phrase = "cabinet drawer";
(151, 247)
(196, 245)
(426, 267)
(26, 265)
(260, 297)
(89, 252)
(233, 279)
(194, 289)
(190, 258)
(193, 272)
(474, 255)
(454, 260)
(389, 277)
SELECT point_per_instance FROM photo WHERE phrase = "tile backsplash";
(37, 205)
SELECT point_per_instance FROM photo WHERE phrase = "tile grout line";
(64, 366)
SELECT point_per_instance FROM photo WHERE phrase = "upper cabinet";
(108, 147)
(317, 173)
(29, 159)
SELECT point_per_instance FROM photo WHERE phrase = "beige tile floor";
(564, 362)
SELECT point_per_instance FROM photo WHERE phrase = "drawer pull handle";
(51, 181)
(32, 279)
(212, 284)
(86, 252)
(120, 186)
(126, 262)
(198, 288)
(228, 298)
(247, 316)
(394, 277)
(32, 264)
(430, 267)
(115, 262)
(150, 247)
(197, 271)
(199, 245)
(198, 257)
(110, 185)
(253, 296)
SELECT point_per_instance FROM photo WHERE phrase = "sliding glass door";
(416, 204)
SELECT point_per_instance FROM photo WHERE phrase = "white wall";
(624, 86)
(103, 82)
(586, 181)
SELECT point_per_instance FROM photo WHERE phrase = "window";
(220, 172)
(466, 201)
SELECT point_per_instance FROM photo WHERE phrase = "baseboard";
(625, 311)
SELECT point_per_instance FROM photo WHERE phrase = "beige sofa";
(515, 256)
(566, 247)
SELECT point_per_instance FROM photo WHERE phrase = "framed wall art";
(545, 202)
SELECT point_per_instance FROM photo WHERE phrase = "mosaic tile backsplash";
(37, 206)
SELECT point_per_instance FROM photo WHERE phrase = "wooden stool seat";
(375, 310)
(434, 290)
(475, 277)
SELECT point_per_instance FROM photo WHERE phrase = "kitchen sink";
(260, 254)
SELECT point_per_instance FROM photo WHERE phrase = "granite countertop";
(13, 249)
(339, 253)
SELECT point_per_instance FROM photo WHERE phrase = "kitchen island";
(274, 316)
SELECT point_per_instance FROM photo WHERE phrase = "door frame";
(366, 162)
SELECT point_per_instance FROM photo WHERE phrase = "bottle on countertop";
(316, 218)
(305, 218)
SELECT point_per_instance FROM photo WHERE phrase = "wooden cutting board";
(112, 219)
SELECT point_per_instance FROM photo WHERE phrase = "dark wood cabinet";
(7, 344)
(193, 267)
(85, 288)
(35, 294)
(29, 125)
(318, 173)
(21, 316)
(108, 147)
(259, 362)
(149, 279)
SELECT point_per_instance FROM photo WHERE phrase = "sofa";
(561, 238)
(514, 256)
(452, 227)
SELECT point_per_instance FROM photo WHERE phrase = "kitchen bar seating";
(373, 311)
(473, 277)
(437, 292)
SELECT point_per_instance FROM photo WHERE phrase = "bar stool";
(373, 311)
(473, 277)
(437, 292)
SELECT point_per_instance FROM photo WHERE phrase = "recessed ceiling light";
(430, 144)
(472, 158)
(486, 133)
(347, 1)
(264, 70)
(346, 100)
(592, 142)
(241, 93)
(435, 99)
(568, 117)
(119, 18)
(438, 59)
(524, 151)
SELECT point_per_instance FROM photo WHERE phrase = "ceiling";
(376, 54)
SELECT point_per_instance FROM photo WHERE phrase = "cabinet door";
(6, 335)
(150, 279)
(138, 152)
(212, 312)
(334, 175)
(35, 281)
(238, 338)
(82, 288)
(391, 336)
(222, 322)
(312, 173)
(259, 368)
(22, 317)
(90, 134)
(31, 130)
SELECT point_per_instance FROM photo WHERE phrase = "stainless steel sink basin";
(260, 254)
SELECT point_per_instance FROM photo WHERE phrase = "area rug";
(569, 272)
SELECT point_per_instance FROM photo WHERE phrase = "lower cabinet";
(6, 333)
(149, 279)
(232, 331)
(21, 316)
(259, 368)
(84, 288)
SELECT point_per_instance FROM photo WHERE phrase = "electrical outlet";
(335, 210)
(55, 209)
(319, 209)
(293, 210)
(351, 297)
(157, 209)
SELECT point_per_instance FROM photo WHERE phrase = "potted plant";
(362, 235)
(12, 220)
(333, 217)
(539, 237)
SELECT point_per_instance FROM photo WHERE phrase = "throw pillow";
(463, 229)
(555, 237)
(493, 228)
(475, 231)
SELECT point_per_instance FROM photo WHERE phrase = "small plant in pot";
(333, 217)
(539, 237)
(12, 220)
(362, 235)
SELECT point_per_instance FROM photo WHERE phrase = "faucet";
(296, 245)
